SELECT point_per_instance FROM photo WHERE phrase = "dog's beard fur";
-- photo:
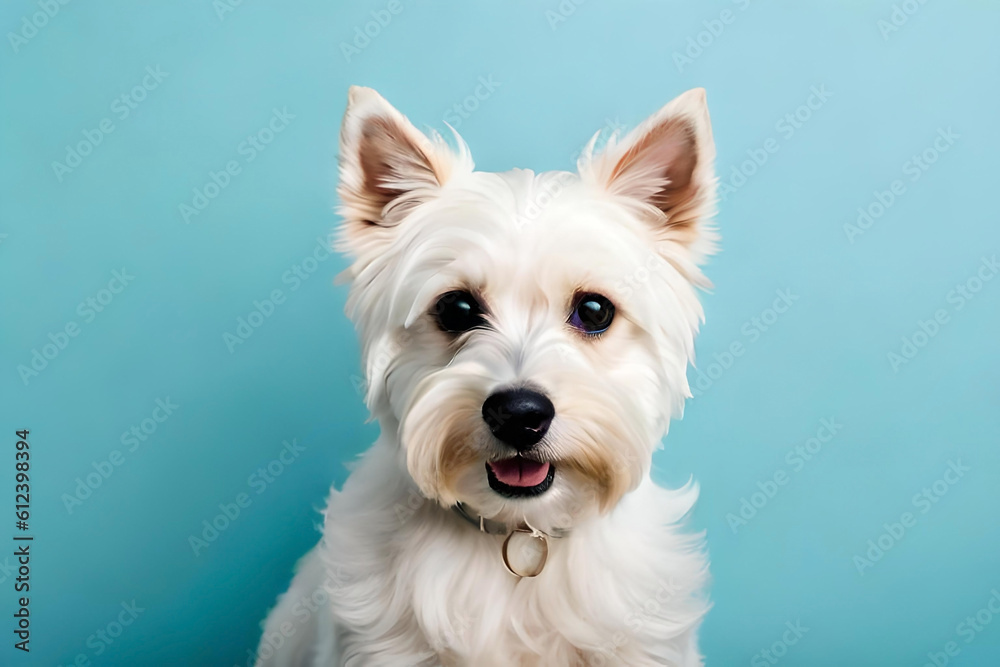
(632, 225)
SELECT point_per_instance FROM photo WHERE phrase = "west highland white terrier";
(525, 340)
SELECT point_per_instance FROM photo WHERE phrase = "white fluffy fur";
(399, 579)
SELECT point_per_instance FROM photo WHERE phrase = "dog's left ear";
(666, 163)
(387, 167)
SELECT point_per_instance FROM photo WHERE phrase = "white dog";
(526, 339)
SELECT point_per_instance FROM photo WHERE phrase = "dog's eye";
(592, 314)
(458, 311)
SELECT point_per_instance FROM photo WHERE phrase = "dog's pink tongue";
(520, 472)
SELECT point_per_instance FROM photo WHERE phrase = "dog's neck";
(485, 525)
(493, 527)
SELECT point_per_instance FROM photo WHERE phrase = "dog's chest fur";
(418, 585)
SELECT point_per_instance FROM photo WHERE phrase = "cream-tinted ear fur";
(387, 167)
(667, 164)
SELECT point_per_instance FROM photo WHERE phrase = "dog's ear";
(666, 163)
(387, 167)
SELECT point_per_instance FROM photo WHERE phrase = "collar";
(493, 527)
(485, 525)
(525, 549)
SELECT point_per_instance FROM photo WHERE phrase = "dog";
(525, 339)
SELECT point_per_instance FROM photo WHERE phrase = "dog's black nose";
(518, 417)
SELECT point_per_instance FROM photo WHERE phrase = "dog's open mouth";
(519, 477)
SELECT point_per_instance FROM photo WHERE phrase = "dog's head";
(527, 334)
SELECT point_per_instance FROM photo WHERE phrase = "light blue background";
(296, 376)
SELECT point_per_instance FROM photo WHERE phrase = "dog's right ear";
(387, 167)
(666, 163)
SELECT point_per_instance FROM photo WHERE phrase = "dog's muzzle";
(519, 418)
